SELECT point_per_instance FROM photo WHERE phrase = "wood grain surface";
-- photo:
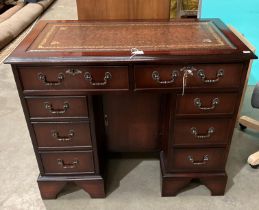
(123, 9)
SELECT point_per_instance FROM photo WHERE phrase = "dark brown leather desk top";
(77, 39)
(103, 37)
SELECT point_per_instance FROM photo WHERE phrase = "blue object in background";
(243, 16)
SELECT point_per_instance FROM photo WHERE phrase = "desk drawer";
(201, 132)
(205, 104)
(65, 78)
(154, 76)
(198, 159)
(62, 135)
(57, 107)
(67, 162)
(204, 75)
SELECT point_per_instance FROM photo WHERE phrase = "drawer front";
(154, 76)
(216, 75)
(60, 135)
(201, 131)
(57, 107)
(198, 159)
(205, 104)
(204, 75)
(58, 78)
(68, 162)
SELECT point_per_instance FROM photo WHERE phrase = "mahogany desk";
(84, 97)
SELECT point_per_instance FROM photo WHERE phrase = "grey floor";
(133, 184)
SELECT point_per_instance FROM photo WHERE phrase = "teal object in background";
(243, 16)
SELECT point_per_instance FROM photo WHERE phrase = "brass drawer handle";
(43, 78)
(49, 107)
(203, 162)
(202, 76)
(73, 72)
(194, 131)
(107, 76)
(67, 165)
(197, 103)
(156, 77)
(70, 136)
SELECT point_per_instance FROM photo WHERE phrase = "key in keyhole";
(106, 122)
(187, 71)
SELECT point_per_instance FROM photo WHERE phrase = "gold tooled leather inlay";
(166, 36)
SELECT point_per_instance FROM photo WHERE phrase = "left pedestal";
(63, 129)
